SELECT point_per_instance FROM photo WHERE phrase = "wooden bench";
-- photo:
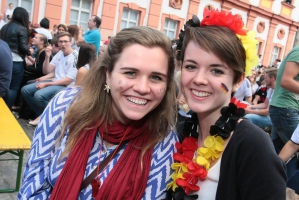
(13, 140)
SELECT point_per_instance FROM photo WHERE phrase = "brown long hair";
(222, 42)
(93, 105)
(74, 31)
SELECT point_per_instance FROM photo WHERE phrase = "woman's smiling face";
(138, 82)
(207, 82)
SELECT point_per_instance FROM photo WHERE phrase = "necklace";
(189, 170)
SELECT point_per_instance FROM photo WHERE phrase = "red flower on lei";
(222, 18)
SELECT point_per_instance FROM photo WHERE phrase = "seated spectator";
(252, 79)
(87, 55)
(55, 46)
(289, 152)
(38, 94)
(260, 95)
(244, 93)
(5, 67)
(54, 31)
(61, 28)
(259, 114)
(44, 26)
(35, 70)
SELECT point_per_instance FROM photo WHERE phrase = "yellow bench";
(13, 140)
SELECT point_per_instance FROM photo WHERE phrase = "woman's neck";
(205, 121)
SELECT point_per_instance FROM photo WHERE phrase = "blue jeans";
(16, 79)
(293, 174)
(285, 121)
(259, 120)
(38, 99)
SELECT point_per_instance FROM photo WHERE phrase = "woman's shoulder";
(167, 143)
(66, 96)
(249, 135)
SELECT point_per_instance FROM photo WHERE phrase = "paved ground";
(8, 169)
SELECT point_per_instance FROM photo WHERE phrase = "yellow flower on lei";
(250, 45)
(211, 151)
(179, 169)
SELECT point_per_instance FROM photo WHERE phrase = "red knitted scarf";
(127, 179)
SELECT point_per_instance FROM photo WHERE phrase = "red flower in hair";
(221, 18)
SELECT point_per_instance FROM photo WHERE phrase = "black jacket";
(16, 36)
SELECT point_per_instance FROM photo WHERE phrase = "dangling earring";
(107, 88)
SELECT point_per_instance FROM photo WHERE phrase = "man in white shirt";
(244, 92)
(9, 11)
(44, 26)
(62, 69)
(259, 114)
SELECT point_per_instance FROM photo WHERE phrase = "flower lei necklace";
(188, 170)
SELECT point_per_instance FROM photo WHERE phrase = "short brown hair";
(222, 42)
(64, 34)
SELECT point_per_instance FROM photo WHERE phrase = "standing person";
(128, 98)
(54, 31)
(92, 36)
(87, 55)
(74, 31)
(15, 34)
(9, 11)
(284, 107)
(43, 29)
(222, 157)
(63, 70)
(5, 68)
(2, 22)
(289, 152)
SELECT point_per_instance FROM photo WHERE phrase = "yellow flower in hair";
(250, 45)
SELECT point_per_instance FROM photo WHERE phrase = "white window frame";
(128, 20)
(79, 9)
(167, 29)
(275, 54)
(20, 5)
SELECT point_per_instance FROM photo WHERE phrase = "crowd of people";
(147, 117)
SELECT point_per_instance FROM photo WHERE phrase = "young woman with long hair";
(15, 34)
(87, 55)
(74, 31)
(127, 104)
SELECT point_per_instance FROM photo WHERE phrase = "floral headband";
(234, 23)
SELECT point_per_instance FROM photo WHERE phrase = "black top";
(16, 36)
(37, 68)
(250, 168)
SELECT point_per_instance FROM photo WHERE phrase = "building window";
(26, 4)
(80, 13)
(275, 55)
(129, 18)
(170, 28)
